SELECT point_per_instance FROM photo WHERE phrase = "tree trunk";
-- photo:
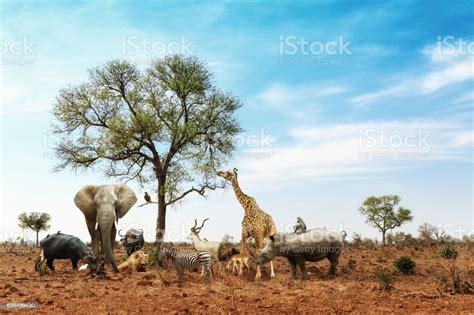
(161, 220)
(37, 232)
(383, 237)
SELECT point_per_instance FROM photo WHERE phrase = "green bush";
(384, 277)
(405, 265)
(351, 264)
(449, 252)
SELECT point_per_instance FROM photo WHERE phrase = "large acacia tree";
(166, 126)
(385, 213)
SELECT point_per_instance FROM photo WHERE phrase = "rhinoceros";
(313, 245)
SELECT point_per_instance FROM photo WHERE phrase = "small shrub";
(351, 264)
(356, 240)
(405, 265)
(153, 256)
(449, 252)
(443, 282)
(384, 277)
(459, 282)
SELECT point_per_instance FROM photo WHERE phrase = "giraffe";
(256, 223)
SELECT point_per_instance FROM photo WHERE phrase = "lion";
(136, 262)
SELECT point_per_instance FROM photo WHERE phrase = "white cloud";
(345, 150)
(447, 66)
(453, 74)
(284, 97)
(360, 100)
(467, 97)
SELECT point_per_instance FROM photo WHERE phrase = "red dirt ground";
(351, 290)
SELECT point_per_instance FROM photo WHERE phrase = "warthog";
(314, 245)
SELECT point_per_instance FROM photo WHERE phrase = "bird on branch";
(147, 197)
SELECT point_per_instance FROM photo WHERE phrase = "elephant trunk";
(106, 223)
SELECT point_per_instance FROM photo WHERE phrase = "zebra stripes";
(188, 259)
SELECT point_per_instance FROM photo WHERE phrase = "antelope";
(236, 260)
(213, 248)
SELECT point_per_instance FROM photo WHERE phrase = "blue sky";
(325, 127)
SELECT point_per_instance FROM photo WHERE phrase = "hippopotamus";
(313, 245)
(64, 246)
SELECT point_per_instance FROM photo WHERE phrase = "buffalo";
(132, 241)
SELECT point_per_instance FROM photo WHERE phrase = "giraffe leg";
(243, 249)
(258, 275)
(271, 268)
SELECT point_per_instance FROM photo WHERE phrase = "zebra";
(189, 259)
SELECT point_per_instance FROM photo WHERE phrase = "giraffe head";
(229, 175)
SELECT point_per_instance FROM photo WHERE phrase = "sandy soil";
(351, 290)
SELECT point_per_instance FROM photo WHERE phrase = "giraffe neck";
(241, 197)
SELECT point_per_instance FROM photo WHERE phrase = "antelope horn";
(203, 224)
(195, 224)
(235, 170)
(120, 234)
(141, 231)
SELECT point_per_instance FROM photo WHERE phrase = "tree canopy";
(35, 221)
(167, 125)
(384, 213)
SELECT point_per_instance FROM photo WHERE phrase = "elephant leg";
(94, 235)
(105, 226)
(113, 234)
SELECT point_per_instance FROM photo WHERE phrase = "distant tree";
(389, 239)
(384, 213)
(468, 239)
(167, 126)
(35, 221)
(227, 239)
(427, 232)
(403, 239)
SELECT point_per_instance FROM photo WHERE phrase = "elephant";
(102, 206)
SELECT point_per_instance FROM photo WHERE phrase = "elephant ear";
(84, 200)
(126, 198)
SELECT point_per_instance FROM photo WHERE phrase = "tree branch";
(201, 190)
